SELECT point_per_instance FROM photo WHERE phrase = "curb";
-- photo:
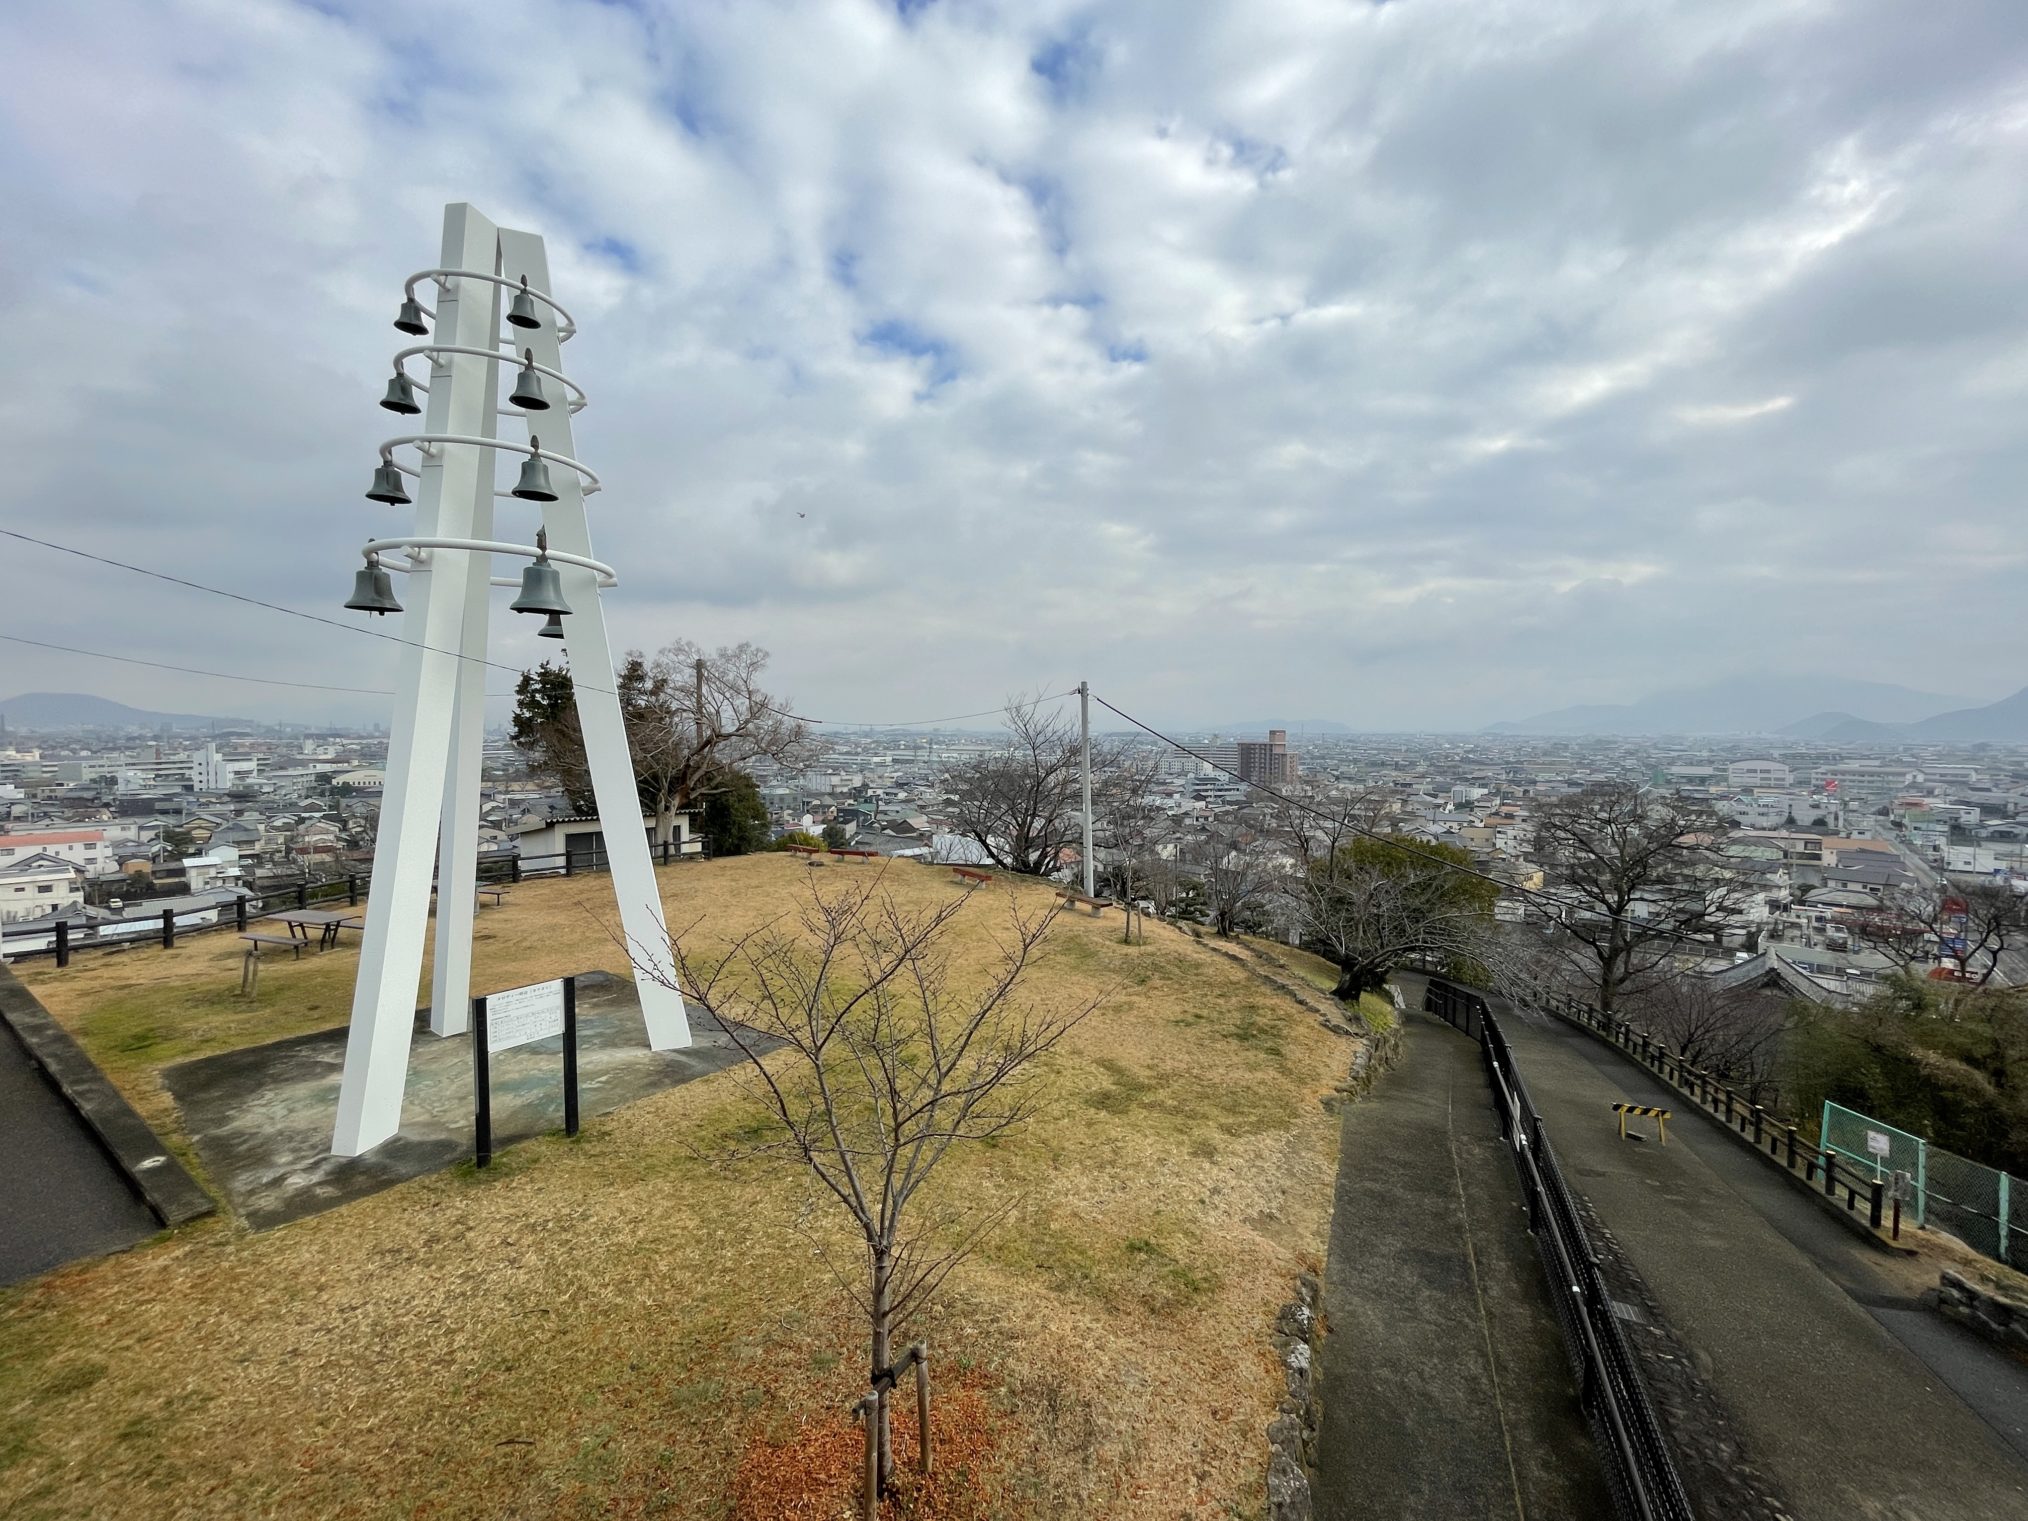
(163, 1183)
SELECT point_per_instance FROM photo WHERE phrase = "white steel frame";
(430, 800)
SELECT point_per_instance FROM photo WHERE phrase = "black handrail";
(1642, 1476)
(63, 940)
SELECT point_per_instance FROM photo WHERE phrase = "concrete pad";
(261, 1117)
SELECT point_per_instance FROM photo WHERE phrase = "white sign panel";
(1876, 1141)
(520, 1015)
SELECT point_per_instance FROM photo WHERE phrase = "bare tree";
(874, 1064)
(1022, 803)
(1972, 925)
(1238, 872)
(1637, 877)
(692, 719)
(1369, 900)
(1734, 1034)
(1129, 825)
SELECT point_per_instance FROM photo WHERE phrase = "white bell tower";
(429, 814)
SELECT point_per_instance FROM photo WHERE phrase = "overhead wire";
(1396, 842)
(191, 670)
(273, 607)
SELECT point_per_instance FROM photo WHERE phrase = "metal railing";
(1779, 1140)
(1638, 1467)
(62, 940)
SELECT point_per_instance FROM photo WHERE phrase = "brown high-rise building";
(1269, 762)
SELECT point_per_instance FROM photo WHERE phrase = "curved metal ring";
(577, 403)
(608, 577)
(421, 440)
(566, 329)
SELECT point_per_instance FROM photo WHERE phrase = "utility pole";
(1084, 765)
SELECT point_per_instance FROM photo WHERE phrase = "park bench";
(970, 877)
(497, 894)
(863, 855)
(250, 966)
(1072, 898)
(803, 850)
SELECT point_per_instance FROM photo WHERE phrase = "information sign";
(520, 1015)
(1877, 1143)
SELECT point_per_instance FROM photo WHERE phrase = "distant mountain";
(1742, 705)
(1820, 725)
(1293, 725)
(81, 710)
(2004, 722)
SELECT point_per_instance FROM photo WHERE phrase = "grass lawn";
(628, 1325)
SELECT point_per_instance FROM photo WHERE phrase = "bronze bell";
(553, 629)
(542, 587)
(373, 590)
(527, 392)
(534, 483)
(400, 395)
(387, 486)
(521, 311)
(410, 318)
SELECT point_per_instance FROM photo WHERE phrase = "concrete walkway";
(1445, 1386)
(1854, 1398)
(61, 1196)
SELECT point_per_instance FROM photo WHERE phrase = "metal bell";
(387, 486)
(521, 311)
(542, 588)
(553, 629)
(410, 319)
(373, 590)
(534, 483)
(400, 395)
(528, 386)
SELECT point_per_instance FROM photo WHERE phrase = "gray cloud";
(1420, 364)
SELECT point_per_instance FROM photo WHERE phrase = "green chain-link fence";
(1983, 1207)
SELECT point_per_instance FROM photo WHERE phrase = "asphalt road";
(1445, 1387)
(61, 1197)
(1856, 1398)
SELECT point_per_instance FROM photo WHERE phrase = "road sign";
(520, 1015)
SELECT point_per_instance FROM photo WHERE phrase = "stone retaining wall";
(1991, 1315)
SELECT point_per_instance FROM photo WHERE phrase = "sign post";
(518, 1017)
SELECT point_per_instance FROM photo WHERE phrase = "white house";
(37, 886)
(546, 844)
(86, 848)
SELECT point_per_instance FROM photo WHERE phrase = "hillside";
(2004, 722)
(1740, 705)
(1159, 1209)
(82, 710)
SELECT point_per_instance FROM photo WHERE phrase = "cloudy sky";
(1411, 364)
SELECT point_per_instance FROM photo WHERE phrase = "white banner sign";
(520, 1015)
(1876, 1141)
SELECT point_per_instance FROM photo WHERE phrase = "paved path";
(1858, 1401)
(61, 1197)
(1445, 1386)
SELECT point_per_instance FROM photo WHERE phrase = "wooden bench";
(497, 894)
(250, 965)
(863, 855)
(1078, 899)
(804, 850)
(970, 876)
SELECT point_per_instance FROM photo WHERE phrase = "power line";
(191, 670)
(273, 607)
(907, 723)
(1397, 843)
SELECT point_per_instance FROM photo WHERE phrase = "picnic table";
(326, 921)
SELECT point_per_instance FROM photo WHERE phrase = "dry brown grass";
(616, 1326)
